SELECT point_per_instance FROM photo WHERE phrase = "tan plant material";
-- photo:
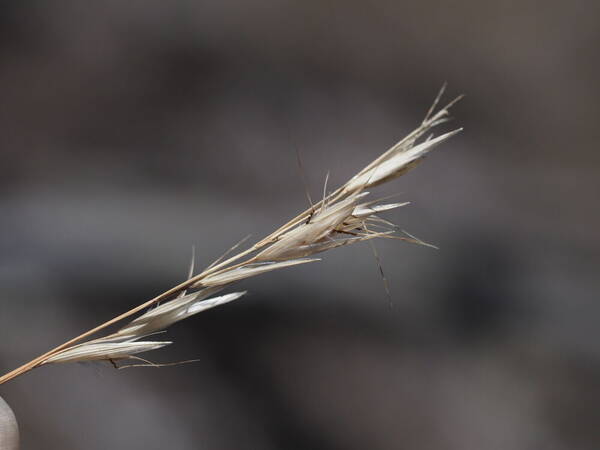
(341, 218)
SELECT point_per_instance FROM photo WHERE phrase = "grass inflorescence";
(343, 217)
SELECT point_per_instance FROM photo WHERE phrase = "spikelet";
(246, 271)
(165, 315)
(94, 351)
(397, 164)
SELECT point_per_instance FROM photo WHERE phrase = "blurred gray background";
(131, 130)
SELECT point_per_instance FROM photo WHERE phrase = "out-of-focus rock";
(9, 430)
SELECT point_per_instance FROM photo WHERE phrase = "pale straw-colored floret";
(247, 271)
(317, 230)
(165, 315)
(94, 351)
(366, 210)
(394, 166)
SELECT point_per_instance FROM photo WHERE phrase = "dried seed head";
(339, 219)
